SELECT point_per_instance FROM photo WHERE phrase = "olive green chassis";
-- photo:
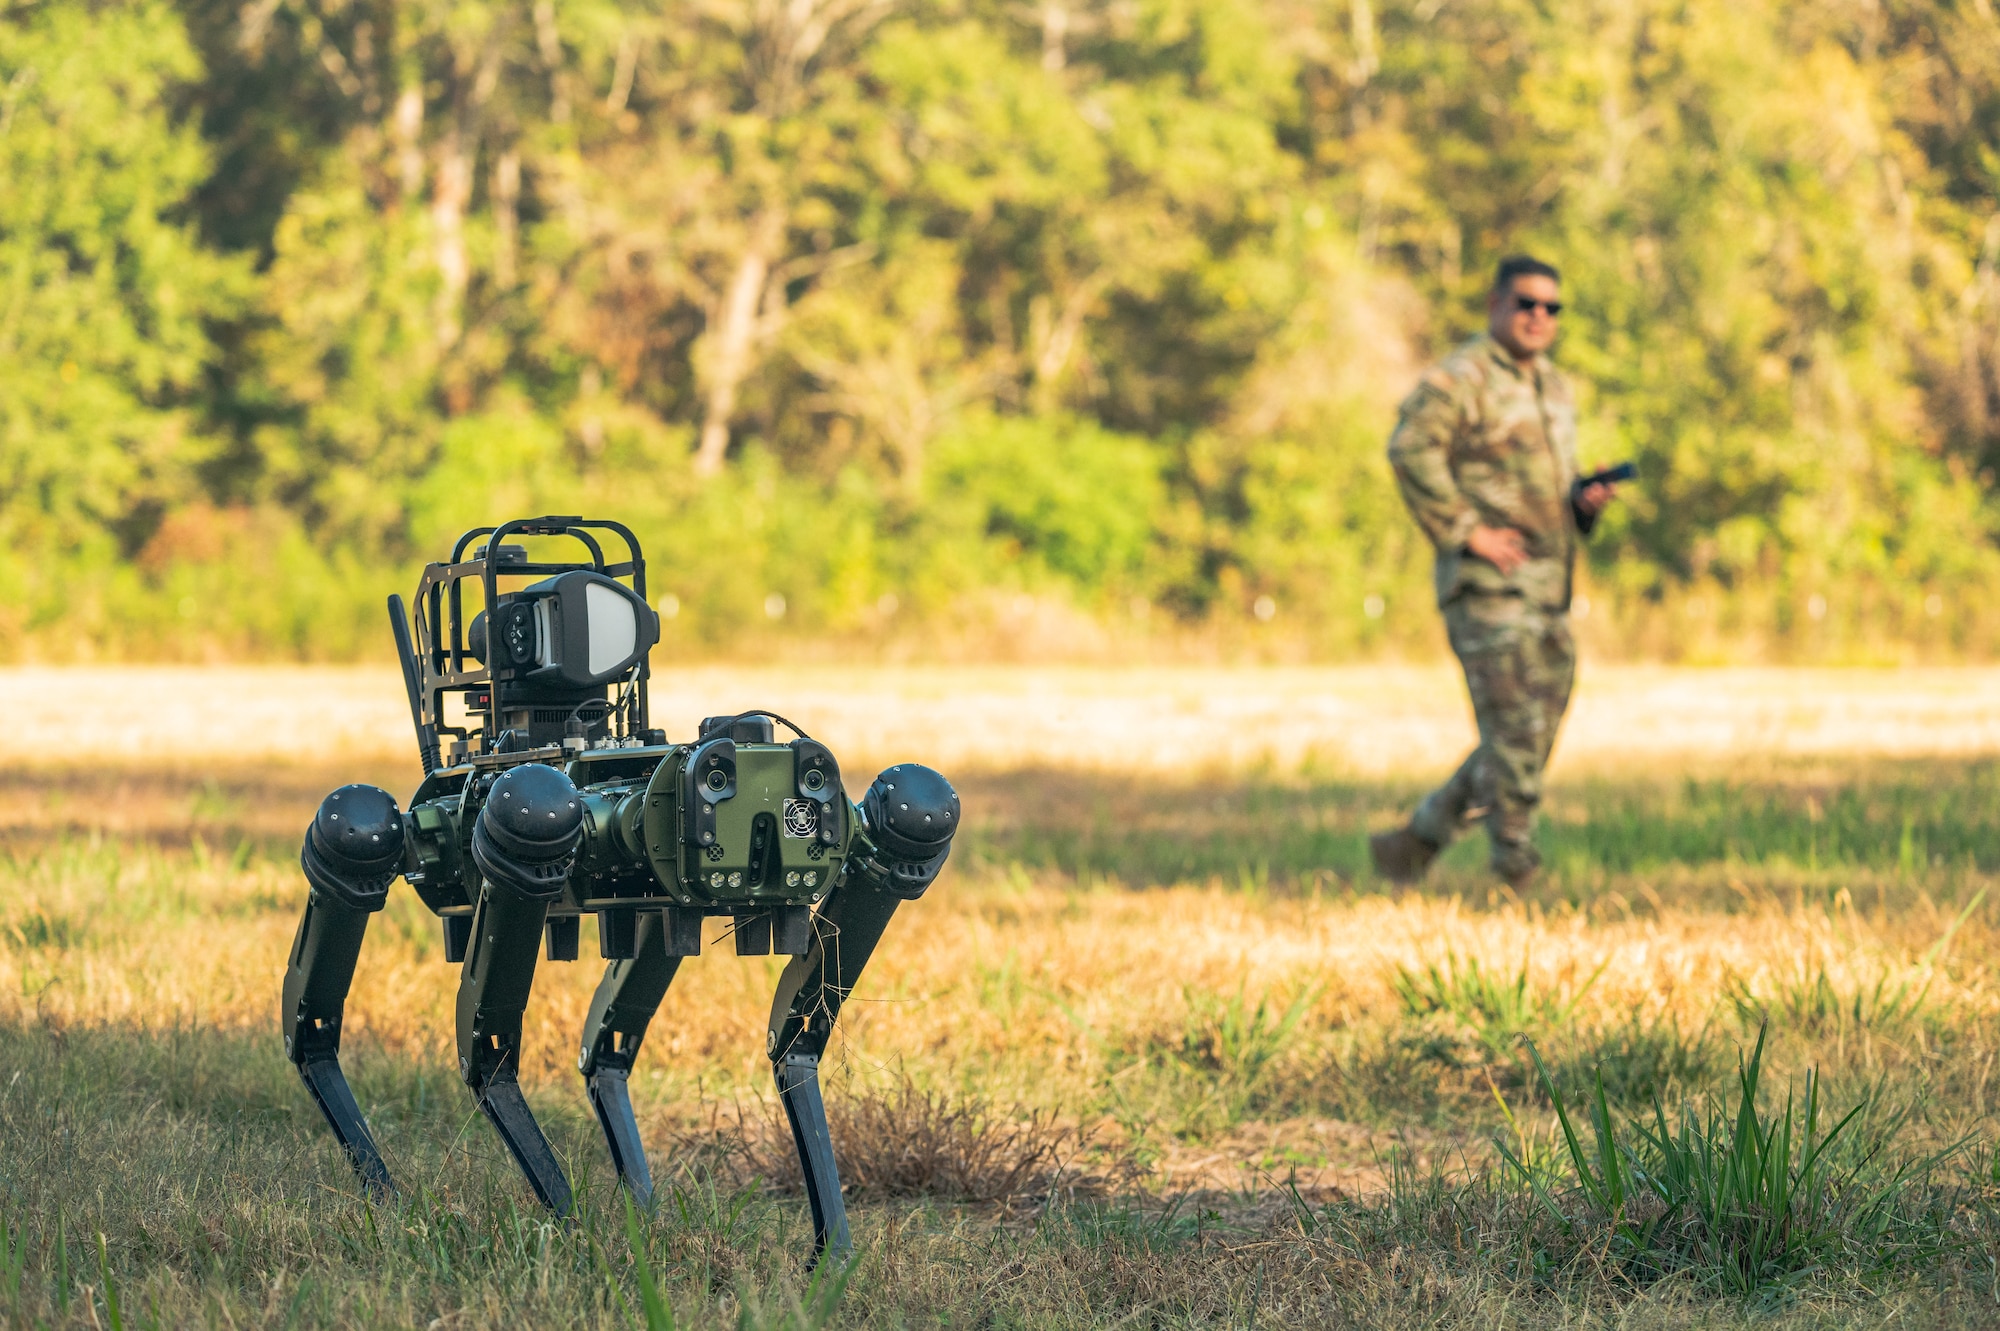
(651, 889)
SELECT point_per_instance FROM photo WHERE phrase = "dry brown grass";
(1379, 721)
(904, 1139)
(1042, 1023)
(1041, 990)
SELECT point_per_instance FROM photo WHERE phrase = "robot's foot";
(798, 1087)
(504, 1105)
(609, 1097)
(328, 1085)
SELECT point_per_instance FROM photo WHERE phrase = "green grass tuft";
(1744, 1200)
(1499, 1009)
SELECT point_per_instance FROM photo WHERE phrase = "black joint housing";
(560, 934)
(528, 831)
(791, 930)
(753, 935)
(750, 729)
(618, 934)
(912, 814)
(683, 931)
(354, 847)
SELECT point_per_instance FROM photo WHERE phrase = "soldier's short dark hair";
(1522, 265)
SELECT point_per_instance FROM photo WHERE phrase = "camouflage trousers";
(1519, 664)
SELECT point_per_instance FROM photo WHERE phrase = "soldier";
(1485, 455)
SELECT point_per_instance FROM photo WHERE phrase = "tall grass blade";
(659, 1315)
(825, 1290)
(14, 1260)
(112, 1313)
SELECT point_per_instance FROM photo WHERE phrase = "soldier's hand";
(1502, 547)
(1592, 499)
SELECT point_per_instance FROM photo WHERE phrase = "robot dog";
(556, 799)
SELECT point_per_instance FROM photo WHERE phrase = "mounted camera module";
(586, 630)
(578, 630)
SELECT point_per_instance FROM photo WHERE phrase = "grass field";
(1156, 1052)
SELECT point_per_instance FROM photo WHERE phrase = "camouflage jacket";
(1484, 442)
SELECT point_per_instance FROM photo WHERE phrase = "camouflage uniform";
(1484, 441)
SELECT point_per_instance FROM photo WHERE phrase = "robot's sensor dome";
(528, 831)
(533, 813)
(354, 847)
(912, 812)
(359, 831)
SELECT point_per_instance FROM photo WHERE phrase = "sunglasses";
(1528, 305)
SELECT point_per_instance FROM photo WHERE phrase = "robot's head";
(578, 630)
(541, 645)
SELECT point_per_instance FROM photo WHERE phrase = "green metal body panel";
(635, 848)
(757, 859)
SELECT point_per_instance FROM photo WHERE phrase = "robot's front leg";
(624, 1005)
(524, 842)
(353, 851)
(910, 815)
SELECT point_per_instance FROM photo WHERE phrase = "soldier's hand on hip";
(1502, 547)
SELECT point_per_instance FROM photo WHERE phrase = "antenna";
(406, 652)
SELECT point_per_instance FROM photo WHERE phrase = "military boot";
(1516, 864)
(1401, 856)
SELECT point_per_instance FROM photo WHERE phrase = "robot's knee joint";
(912, 813)
(354, 848)
(528, 831)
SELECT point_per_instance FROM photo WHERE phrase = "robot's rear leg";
(844, 935)
(316, 984)
(523, 844)
(492, 995)
(352, 852)
(624, 1005)
(910, 816)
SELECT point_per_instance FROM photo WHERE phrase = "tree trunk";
(548, 40)
(1056, 340)
(450, 193)
(733, 338)
(409, 129)
(1055, 36)
(506, 190)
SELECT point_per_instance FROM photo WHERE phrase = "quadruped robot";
(556, 799)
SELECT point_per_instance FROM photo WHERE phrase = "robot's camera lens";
(716, 778)
(815, 779)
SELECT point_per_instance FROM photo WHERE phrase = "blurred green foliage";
(884, 319)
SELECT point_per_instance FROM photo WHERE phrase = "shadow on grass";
(264, 807)
(183, 1179)
(222, 1111)
(184, 1176)
(1242, 831)
(188, 1169)
(1257, 832)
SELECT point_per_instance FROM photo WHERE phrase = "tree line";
(997, 322)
